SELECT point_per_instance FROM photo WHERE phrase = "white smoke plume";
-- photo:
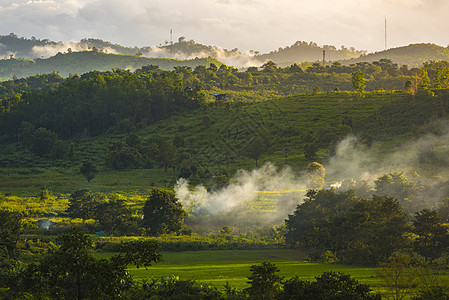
(240, 191)
(353, 160)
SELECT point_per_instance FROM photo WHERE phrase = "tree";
(162, 213)
(248, 79)
(113, 215)
(70, 271)
(315, 174)
(269, 66)
(83, 204)
(329, 285)
(10, 227)
(370, 231)
(88, 170)
(358, 82)
(399, 276)
(256, 148)
(264, 281)
(310, 150)
(424, 80)
(437, 79)
(311, 224)
(167, 154)
(432, 236)
(357, 230)
(409, 87)
(396, 185)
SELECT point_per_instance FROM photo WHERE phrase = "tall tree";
(424, 80)
(162, 212)
(88, 170)
(358, 81)
(432, 236)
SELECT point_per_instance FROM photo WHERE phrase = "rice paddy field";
(220, 266)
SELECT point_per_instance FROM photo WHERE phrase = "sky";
(260, 25)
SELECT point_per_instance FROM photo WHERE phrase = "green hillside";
(413, 55)
(308, 52)
(85, 61)
(217, 138)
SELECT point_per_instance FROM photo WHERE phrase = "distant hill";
(20, 47)
(311, 52)
(85, 61)
(413, 55)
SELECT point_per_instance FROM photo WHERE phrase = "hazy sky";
(262, 25)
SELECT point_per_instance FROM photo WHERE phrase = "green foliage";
(264, 281)
(162, 213)
(433, 293)
(358, 81)
(88, 170)
(399, 275)
(100, 101)
(256, 148)
(10, 228)
(139, 253)
(114, 216)
(424, 80)
(432, 236)
(70, 271)
(409, 87)
(330, 285)
(343, 224)
(406, 191)
(83, 204)
(41, 141)
(175, 288)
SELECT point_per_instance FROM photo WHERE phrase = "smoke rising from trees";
(353, 161)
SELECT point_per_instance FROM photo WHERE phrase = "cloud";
(262, 25)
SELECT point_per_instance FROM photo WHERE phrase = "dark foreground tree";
(162, 213)
(330, 285)
(70, 271)
(264, 281)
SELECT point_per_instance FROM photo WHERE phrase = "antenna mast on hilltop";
(171, 42)
(385, 33)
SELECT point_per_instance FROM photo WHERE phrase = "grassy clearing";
(221, 266)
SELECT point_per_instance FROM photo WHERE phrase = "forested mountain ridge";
(20, 47)
(85, 61)
(302, 51)
(413, 55)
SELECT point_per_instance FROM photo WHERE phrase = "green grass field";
(220, 266)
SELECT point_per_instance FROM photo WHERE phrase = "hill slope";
(85, 61)
(413, 55)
